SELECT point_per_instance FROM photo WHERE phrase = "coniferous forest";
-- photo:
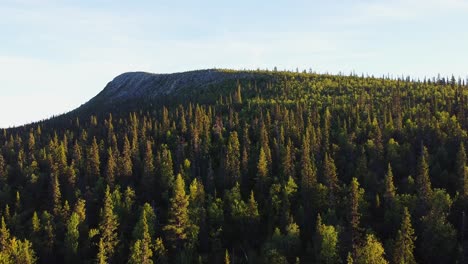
(267, 167)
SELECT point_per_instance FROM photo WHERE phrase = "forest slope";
(218, 166)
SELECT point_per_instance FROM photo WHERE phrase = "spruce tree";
(331, 179)
(179, 223)
(166, 179)
(390, 190)
(262, 172)
(108, 226)
(94, 162)
(371, 252)
(288, 161)
(55, 195)
(327, 243)
(126, 164)
(148, 179)
(72, 238)
(232, 160)
(354, 215)
(141, 251)
(423, 180)
(462, 171)
(404, 244)
(110, 168)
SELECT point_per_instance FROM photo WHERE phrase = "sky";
(56, 55)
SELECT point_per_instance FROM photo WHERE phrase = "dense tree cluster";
(276, 167)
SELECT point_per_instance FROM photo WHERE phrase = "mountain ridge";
(137, 85)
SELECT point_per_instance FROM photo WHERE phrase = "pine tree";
(197, 212)
(110, 168)
(148, 179)
(288, 161)
(48, 232)
(462, 171)
(371, 252)
(238, 95)
(308, 174)
(232, 160)
(327, 244)
(179, 223)
(3, 177)
(102, 256)
(354, 215)
(94, 162)
(160, 251)
(390, 190)
(423, 180)
(262, 171)
(35, 223)
(4, 236)
(331, 178)
(141, 251)
(146, 223)
(227, 259)
(404, 244)
(71, 238)
(108, 228)
(126, 164)
(55, 195)
(166, 171)
(252, 208)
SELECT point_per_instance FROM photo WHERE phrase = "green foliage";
(264, 152)
(179, 225)
(423, 180)
(404, 244)
(327, 246)
(107, 229)
(233, 159)
(13, 250)
(371, 252)
(71, 238)
(141, 251)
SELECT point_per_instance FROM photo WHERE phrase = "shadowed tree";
(404, 244)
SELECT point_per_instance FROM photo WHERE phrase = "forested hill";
(221, 166)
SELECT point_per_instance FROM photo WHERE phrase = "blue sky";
(56, 55)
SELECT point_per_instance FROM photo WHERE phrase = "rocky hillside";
(138, 85)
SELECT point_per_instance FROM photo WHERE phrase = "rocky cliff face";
(136, 85)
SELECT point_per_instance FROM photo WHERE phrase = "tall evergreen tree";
(371, 252)
(262, 172)
(404, 244)
(94, 162)
(55, 195)
(148, 179)
(72, 238)
(232, 160)
(108, 226)
(462, 171)
(141, 251)
(166, 172)
(390, 190)
(423, 180)
(327, 243)
(126, 164)
(110, 168)
(179, 223)
(288, 161)
(354, 216)
(331, 179)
